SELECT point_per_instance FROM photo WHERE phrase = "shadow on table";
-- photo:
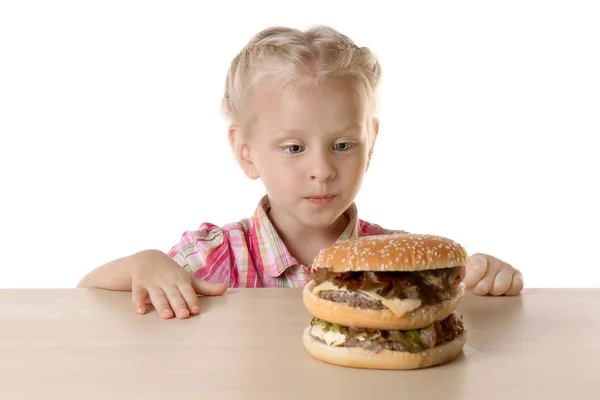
(492, 322)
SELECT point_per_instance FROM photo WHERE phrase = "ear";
(372, 144)
(242, 152)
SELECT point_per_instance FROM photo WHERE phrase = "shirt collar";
(275, 255)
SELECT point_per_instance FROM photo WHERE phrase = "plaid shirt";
(250, 253)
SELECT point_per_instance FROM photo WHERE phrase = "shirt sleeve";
(204, 253)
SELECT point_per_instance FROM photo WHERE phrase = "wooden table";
(89, 344)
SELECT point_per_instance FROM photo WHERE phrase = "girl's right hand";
(170, 288)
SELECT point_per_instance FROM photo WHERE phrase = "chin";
(320, 220)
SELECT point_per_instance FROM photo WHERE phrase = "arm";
(153, 277)
(171, 281)
(116, 275)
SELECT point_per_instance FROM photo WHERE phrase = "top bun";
(393, 252)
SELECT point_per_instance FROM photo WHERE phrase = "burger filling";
(412, 341)
(401, 292)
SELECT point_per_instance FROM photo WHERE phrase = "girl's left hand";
(488, 275)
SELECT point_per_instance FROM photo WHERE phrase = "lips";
(320, 199)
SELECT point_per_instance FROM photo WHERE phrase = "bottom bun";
(356, 357)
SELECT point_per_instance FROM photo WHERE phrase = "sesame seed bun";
(357, 357)
(394, 252)
(346, 315)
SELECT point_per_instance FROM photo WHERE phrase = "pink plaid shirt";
(250, 253)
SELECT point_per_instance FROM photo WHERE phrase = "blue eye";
(343, 146)
(293, 149)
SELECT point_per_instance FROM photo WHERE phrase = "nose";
(321, 168)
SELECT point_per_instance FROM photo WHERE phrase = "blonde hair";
(292, 57)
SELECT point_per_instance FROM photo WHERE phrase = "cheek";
(279, 172)
(354, 165)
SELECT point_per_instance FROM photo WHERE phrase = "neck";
(302, 241)
(295, 231)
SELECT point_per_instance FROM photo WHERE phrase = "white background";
(112, 139)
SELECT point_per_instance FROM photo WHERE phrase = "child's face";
(309, 144)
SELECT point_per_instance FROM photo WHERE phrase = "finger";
(208, 288)
(475, 270)
(138, 298)
(516, 286)
(160, 302)
(176, 302)
(502, 282)
(190, 298)
(486, 283)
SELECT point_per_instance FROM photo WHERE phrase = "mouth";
(321, 199)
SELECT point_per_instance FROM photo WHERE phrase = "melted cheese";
(331, 338)
(397, 306)
(402, 306)
(326, 286)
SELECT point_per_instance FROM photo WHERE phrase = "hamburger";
(386, 302)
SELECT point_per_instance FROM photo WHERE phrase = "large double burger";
(386, 302)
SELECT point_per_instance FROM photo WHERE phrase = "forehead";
(329, 107)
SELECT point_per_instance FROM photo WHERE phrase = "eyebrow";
(294, 131)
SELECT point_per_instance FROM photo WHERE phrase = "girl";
(302, 108)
